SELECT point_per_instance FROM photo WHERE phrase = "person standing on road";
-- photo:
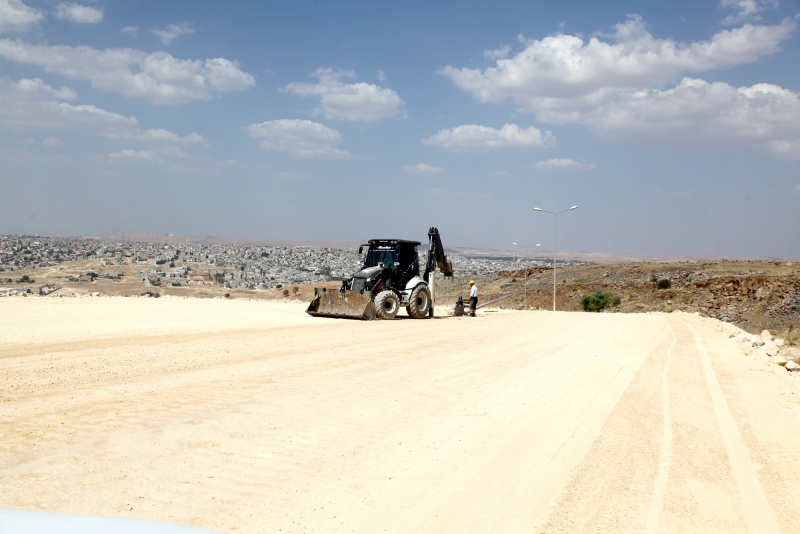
(473, 298)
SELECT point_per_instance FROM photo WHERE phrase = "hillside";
(754, 295)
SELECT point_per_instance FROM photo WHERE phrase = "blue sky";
(675, 126)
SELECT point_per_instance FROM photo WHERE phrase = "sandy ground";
(253, 417)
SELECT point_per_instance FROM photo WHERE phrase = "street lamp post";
(555, 241)
(525, 296)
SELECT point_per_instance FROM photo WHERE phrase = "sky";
(674, 126)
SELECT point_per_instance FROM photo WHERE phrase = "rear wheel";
(387, 304)
(419, 302)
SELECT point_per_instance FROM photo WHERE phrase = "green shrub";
(594, 302)
(295, 289)
(285, 292)
(686, 298)
(664, 283)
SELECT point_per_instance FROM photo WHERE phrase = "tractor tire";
(387, 304)
(419, 302)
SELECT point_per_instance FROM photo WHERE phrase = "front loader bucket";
(344, 304)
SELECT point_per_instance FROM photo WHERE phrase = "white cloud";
(472, 137)
(77, 13)
(51, 141)
(37, 87)
(157, 77)
(172, 31)
(381, 76)
(787, 149)
(364, 102)
(499, 53)
(138, 156)
(564, 67)
(422, 168)
(298, 137)
(797, 188)
(617, 88)
(157, 136)
(225, 76)
(563, 165)
(696, 112)
(17, 17)
(746, 9)
(30, 105)
(131, 30)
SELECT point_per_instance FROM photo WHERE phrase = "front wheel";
(419, 302)
(386, 304)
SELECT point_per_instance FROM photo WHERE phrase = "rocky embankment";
(753, 295)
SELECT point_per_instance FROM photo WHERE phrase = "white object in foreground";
(28, 521)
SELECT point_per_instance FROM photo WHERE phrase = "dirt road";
(252, 417)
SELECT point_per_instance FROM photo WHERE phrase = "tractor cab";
(398, 256)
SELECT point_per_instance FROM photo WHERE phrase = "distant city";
(231, 266)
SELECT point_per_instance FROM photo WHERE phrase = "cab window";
(376, 257)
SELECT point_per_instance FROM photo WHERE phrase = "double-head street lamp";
(525, 297)
(555, 240)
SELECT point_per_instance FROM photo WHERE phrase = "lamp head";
(538, 244)
(574, 207)
(514, 244)
(537, 209)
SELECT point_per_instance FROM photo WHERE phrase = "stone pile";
(770, 349)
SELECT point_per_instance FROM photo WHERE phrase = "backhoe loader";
(388, 280)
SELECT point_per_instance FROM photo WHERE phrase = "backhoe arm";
(436, 254)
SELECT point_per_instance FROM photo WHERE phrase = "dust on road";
(253, 417)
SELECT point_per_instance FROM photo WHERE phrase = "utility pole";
(525, 295)
(555, 244)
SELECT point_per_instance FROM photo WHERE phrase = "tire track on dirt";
(665, 457)
(513, 491)
(756, 509)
